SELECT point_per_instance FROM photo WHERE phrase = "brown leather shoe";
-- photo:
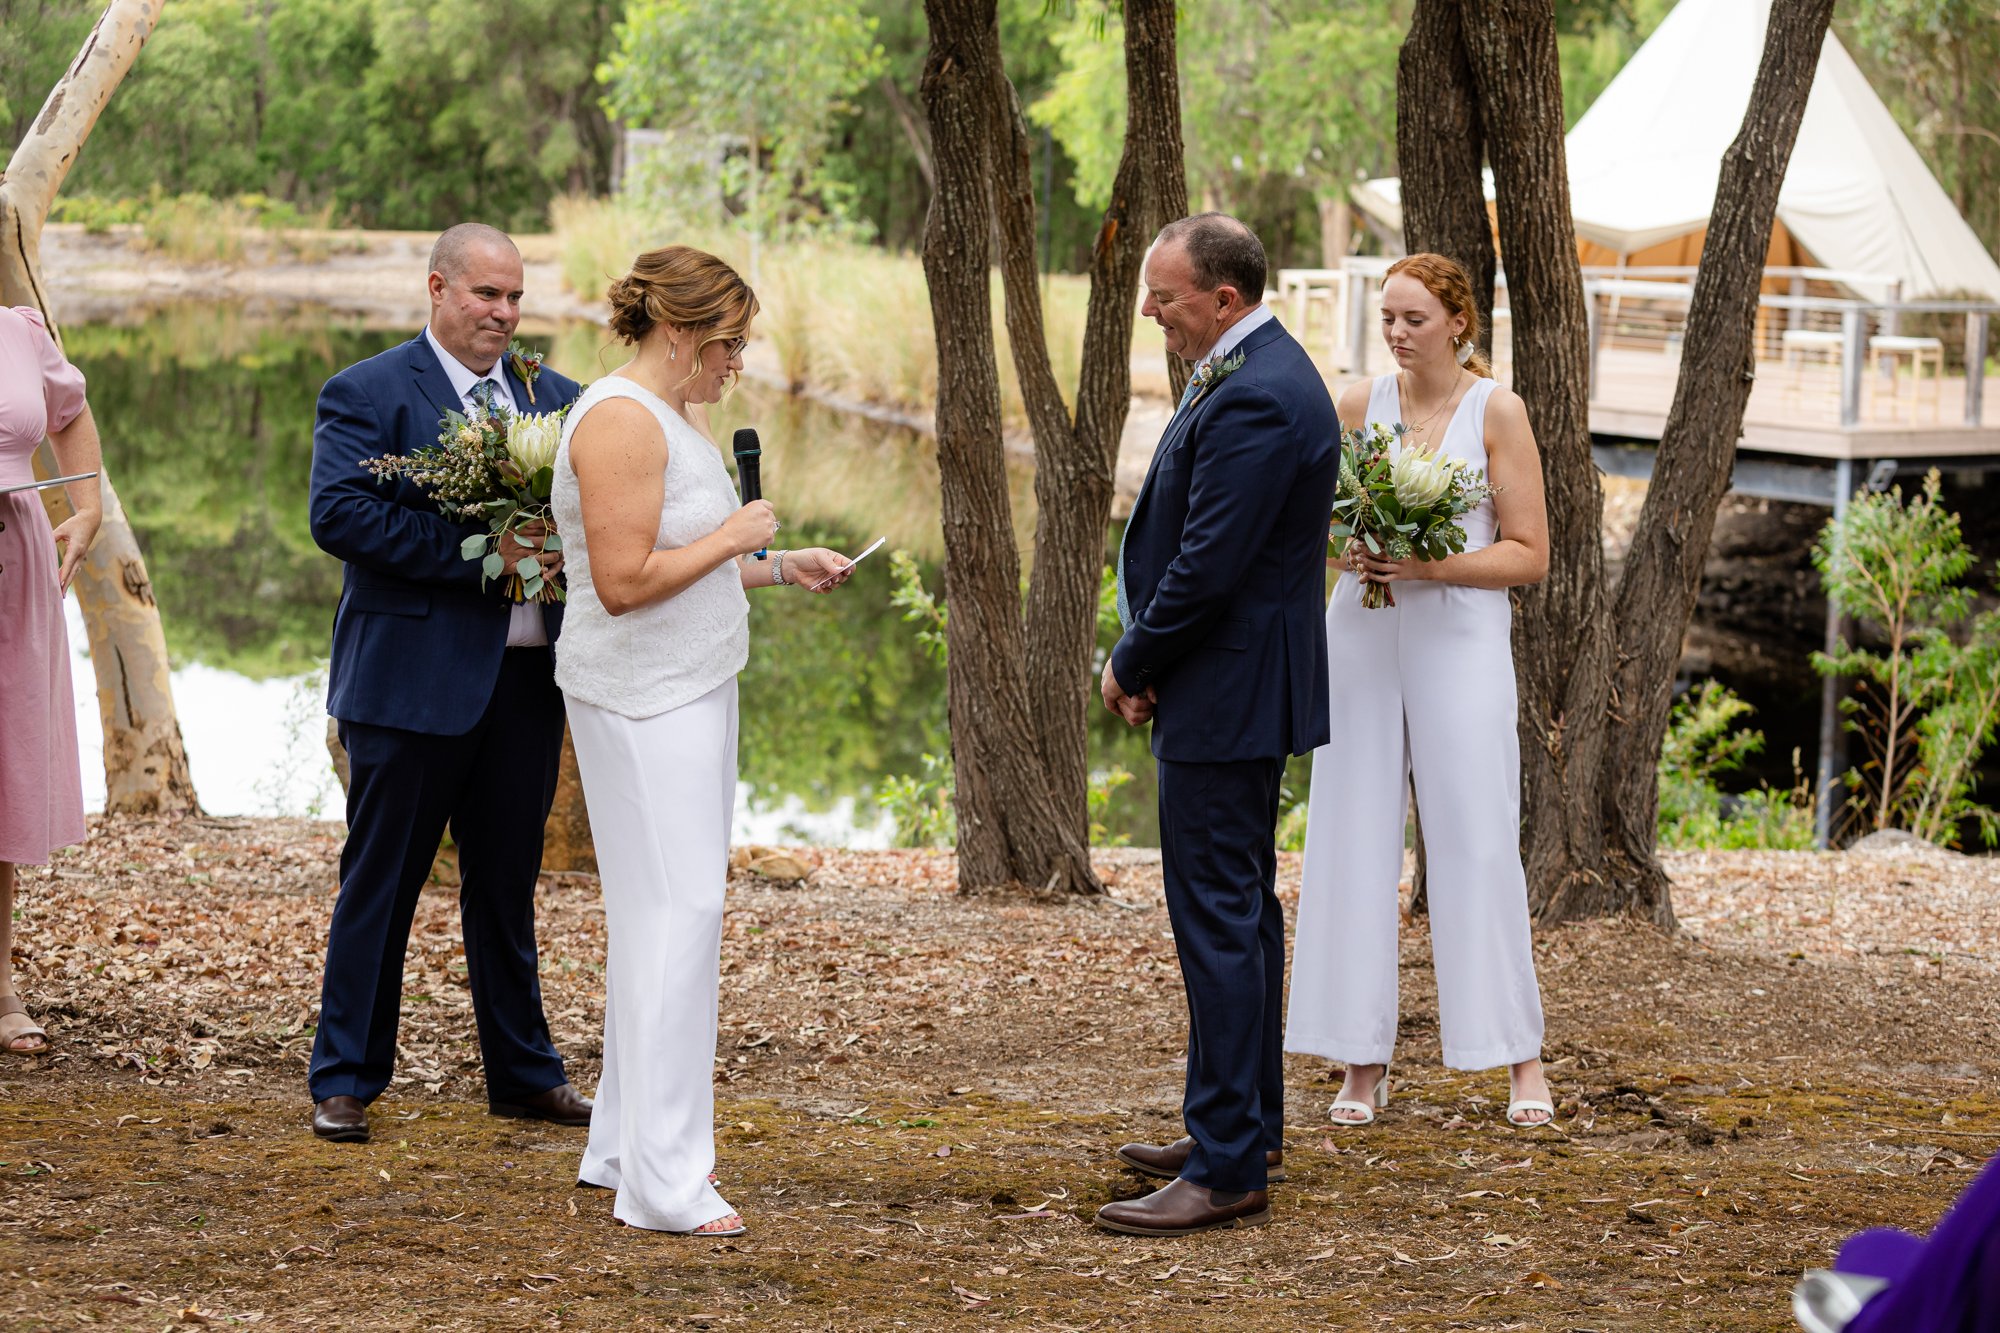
(1181, 1208)
(1166, 1162)
(560, 1105)
(341, 1120)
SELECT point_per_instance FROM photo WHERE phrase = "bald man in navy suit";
(444, 691)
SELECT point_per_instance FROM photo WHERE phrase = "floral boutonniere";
(1213, 373)
(526, 364)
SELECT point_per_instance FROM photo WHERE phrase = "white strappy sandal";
(1377, 1101)
(1521, 1106)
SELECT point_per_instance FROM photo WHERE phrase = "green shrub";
(1702, 743)
(922, 806)
(1927, 700)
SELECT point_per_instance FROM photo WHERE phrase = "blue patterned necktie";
(1125, 601)
(483, 394)
(1187, 394)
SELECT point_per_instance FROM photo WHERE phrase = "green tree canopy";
(387, 113)
(772, 73)
(1284, 103)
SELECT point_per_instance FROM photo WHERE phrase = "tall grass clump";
(599, 239)
(843, 318)
(200, 229)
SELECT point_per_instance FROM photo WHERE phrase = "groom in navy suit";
(444, 691)
(1221, 581)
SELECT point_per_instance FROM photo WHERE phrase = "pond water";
(207, 414)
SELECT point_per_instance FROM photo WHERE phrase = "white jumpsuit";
(1426, 689)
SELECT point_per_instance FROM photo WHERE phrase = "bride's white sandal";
(1377, 1100)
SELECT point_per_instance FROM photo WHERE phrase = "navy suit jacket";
(1225, 564)
(417, 641)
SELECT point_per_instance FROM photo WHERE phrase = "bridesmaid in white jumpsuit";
(1425, 690)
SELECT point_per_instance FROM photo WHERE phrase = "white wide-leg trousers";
(661, 793)
(1423, 689)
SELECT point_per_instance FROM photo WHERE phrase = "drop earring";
(1462, 348)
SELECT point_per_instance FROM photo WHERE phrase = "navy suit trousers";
(493, 787)
(1218, 843)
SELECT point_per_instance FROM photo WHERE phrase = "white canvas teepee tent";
(1644, 160)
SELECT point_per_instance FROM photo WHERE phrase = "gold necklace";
(1450, 396)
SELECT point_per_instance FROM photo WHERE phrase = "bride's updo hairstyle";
(686, 288)
(1451, 285)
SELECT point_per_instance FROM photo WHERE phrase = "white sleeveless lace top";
(1464, 438)
(657, 657)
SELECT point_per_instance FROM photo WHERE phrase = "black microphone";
(747, 454)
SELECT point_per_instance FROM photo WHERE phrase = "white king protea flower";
(532, 440)
(1422, 477)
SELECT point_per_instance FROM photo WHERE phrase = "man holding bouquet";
(443, 687)
(1219, 590)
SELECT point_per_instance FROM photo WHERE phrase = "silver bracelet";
(778, 568)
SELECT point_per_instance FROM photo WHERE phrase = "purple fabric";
(1948, 1284)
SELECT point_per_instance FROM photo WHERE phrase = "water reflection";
(207, 415)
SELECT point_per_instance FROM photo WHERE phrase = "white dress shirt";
(526, 629)
(1236, 333)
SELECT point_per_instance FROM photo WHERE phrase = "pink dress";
(41, 776)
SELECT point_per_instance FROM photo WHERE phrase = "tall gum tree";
(145, 764)
(1020, 674)
(1691, 473)
(1595, 667)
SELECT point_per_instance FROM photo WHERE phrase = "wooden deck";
(1793, 410)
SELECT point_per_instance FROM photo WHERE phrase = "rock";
(1895, 840)
(787, 865)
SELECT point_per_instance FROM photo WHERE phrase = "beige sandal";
(15, 1025)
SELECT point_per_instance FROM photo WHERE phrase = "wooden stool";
(1828, 345)
(1889, 350)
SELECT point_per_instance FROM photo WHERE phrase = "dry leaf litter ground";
(918, 1094)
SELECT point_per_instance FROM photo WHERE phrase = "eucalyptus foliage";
(1927, 694)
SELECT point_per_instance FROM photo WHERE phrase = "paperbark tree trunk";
(1691, 472)
(1020, 677)
(145, 764)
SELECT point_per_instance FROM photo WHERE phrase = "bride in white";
(1425, 690)
(656, 629)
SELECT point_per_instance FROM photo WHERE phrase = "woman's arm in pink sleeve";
(62, 383)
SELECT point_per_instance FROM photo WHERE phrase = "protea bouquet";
(1400, 502)
(497, 467)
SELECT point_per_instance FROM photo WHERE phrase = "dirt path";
(918, 1093)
